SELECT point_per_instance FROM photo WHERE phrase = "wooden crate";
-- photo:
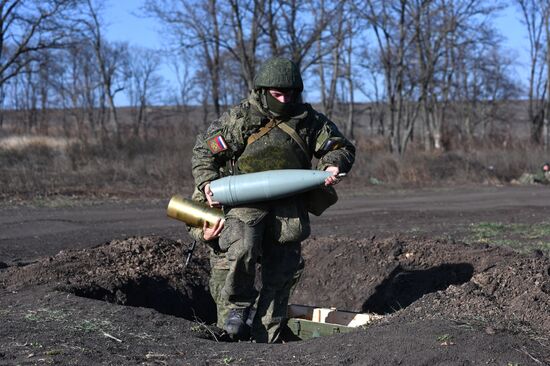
(311, 322)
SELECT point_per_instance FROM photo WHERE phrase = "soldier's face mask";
(278, 108)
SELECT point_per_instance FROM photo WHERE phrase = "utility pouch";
(289, 221)
(319, 199)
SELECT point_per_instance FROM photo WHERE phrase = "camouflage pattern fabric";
(281, 268)
(216, 283)
(321, 135)
(233, 277)
(266, 241)
(540, 178)
(268, 233)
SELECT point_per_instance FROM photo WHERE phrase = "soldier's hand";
(333, 179)
(208, 193)
(211, 233)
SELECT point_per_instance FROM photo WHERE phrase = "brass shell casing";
(192, 213)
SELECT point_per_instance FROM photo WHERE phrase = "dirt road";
(29, 232)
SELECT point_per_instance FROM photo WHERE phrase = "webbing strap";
(283, 126)
(262, 131)
(292, 132)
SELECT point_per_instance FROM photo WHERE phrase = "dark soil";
(130, 301)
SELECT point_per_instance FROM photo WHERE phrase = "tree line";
(430, 70)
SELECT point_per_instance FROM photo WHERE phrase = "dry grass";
(31, 168)
(485, 163)
(39, 166)
(27, 141)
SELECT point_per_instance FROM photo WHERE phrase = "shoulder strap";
(262, 131)
(292, 132)
(283, 126)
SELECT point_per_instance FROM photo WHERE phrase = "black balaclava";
(279, 109)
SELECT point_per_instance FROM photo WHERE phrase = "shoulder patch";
(217, 144)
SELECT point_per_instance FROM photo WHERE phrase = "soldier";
(271, 129)
(546, 169)
(540, 177)
(543, 176)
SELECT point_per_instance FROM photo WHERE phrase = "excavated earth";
(130, 301)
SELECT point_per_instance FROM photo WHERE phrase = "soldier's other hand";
(211, 233)
(208, 193)
(333, 179)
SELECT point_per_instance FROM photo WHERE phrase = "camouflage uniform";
(541, 177)
(269, 233)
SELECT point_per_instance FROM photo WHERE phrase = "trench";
(404, 286)
(191, 302)
(186, 295)
(401, 288)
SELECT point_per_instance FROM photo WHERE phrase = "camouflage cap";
(279, 72)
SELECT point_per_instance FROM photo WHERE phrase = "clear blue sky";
(515, 39)
(125, 23)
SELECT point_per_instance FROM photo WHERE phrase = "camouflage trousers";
(234, 282)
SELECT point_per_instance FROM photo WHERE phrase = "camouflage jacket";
(226, 140)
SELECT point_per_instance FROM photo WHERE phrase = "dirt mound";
(419, 278)
(140, 271)
(438, 278)
(478, 303)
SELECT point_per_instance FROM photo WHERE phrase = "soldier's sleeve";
(196, 233)
(331, 147)
(222, 140)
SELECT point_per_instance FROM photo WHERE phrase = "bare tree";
(28, 96)
(535, 12)
(328, 92)
(144, 86)
(184, 91)
(448, 34)
(110, 59)
(294, 28)
(81, 89)
(336, 68)
(196, 26)
(391, 26)
(372, 87)
(481, 85)
(422, 45)
(28, 26)
(27, 29)
(349, 77)
(246, 20)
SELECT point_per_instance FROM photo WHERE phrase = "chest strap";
(262, 131)
(292, 132)
(283, 126)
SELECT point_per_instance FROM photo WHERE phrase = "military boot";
(236, 326)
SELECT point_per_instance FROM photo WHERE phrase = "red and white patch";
(217, 144)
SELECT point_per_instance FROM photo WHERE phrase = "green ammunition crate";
(306, 329)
